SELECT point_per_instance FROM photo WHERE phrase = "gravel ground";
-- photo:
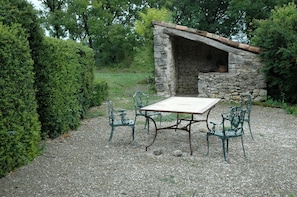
(79, 163)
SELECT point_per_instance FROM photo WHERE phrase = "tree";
(145, 54)
(228, 18)
(53, 17)
(277, 36)
(244, 12)
(207, 15)
(103, 25)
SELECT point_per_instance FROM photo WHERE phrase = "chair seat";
(228, 133)
(120, 123)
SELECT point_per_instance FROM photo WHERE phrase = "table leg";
(156, 131)
(189, 130)
(206, 120)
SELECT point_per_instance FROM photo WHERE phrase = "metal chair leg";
(133, 138)
(224, 151)
(147, 123)
(111, 134)
(207, 145)
(243, 146)
(227, 145)
(250, 129)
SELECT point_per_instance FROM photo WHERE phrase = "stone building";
(193, 62)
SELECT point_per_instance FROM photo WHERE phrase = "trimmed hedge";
(59, 85)
(99, 94)
(19, 124)
(64, 83)
(87, 61)
(22, 12)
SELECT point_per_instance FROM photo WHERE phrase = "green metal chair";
(246, 104)
(231, 127)
(141, 100)
(117, 118)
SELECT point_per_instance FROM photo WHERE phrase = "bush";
(64, 85)
(277, 36)
(87, 62)
(19, 124)
(21, 12)
(100, 93)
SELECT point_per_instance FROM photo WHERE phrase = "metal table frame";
(182, 105)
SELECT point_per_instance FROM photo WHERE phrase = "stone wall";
(182, 67)
(243, 77)
(165, 74)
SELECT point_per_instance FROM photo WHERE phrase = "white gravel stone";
(83, 166)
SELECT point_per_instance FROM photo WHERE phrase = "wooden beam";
(205, 40)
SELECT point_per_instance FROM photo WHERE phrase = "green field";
(121, 87)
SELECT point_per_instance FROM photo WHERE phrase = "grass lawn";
(122, 86)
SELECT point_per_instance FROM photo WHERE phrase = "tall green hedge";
(19, 124)
(22, 12)
(64, 85)
(47, 99)
(87, 61)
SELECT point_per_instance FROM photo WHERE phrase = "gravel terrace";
(79, 164)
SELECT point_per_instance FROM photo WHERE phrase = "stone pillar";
(164, 63)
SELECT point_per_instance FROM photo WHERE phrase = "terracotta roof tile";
(218, 38)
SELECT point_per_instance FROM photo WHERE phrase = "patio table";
(182, 105)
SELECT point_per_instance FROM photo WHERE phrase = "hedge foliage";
(19, 124)
(21, 12)
(277, 36)
(64, 85)
(99, 94)
(46, 85)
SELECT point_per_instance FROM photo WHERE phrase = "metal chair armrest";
(213, 128)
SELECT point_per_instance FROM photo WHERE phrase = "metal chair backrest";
(140, 100)
(235, 121)
(246, 103)
(110, 112)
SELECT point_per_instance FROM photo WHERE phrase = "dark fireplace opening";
(192, 57)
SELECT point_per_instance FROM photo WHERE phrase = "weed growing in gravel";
(168, 179)
(290, 109)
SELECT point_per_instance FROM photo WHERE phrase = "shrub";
(87, 62)
(64, 85)
(21, 12)
(19, 124)
(277, 36)
(99, 94)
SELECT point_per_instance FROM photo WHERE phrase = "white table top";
(189, 105)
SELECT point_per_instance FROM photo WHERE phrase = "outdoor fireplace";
(192, 57)
(193, 62)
